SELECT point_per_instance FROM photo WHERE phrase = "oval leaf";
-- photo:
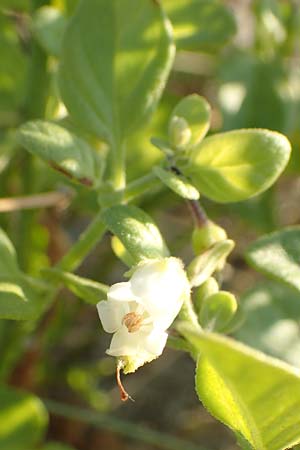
(64, 151)
(255, 395)
(195, 110)
(111, 78)
(23, 419)
(137, 231)
(278, 256)
(201, 25)
(236, 165)
(177, 183)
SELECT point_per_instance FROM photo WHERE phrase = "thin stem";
(88, 239)
(118, 163)
(198, 213)
(44, 200)
(123, 427)
(140, 186)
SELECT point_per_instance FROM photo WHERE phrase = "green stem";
(88, 239)
(118, 166)
(125, 428)
(140, 186)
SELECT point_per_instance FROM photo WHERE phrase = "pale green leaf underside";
(236, 165)
(177, 183)
(63, 150)
(201, 25)
(137, 232)
(23, 420)
(278, 256)
(256, 396)
(115, 61)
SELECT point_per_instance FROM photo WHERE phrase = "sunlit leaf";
(137, 231)
(236, 165)
(255, 395)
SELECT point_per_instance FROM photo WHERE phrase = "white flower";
(140, 311)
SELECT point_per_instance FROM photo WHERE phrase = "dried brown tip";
(123, 393)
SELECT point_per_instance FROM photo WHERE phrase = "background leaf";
(271, 321)
(236, 165)
(111, 78)
(137, 231)
(201, 25)
(23, 419)
(49, 25)
(278, 256)
(255, 395)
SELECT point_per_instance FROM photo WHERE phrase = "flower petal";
(111, 314)
(144, 344)
(121, 292)
(160, 286)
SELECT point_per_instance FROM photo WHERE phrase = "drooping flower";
(138, 312)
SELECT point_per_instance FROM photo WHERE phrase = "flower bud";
(209, 287)
(179, 133)
(206, 236)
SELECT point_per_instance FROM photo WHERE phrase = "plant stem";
(87, 240)
(140, 186)
(198, 213)
(126, 428)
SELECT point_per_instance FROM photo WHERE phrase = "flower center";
(132, 321)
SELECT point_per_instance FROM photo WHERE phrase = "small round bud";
(206, 236)
(208, 288)
(179, 133)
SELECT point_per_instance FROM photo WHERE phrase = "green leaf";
(23, 419)
(272, 317)
(201, 25)
(18, 299)
(177, 183)
(204, 265)
(233, 166)
(115, 65)
(278, 255)
(137, 231)
(195, 111)
(63, 150)
(8, 257)
(88, 290)
(49, 25)
(217, 310)
(256, 396)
